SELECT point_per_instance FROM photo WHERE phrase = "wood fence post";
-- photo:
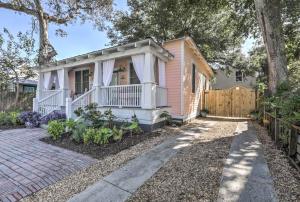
(276, 127)
(293, 141)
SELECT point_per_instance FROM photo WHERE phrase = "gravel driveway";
(194, 173)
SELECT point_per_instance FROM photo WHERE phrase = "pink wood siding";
(72, 76)
(124, 75)
(173, 77)
(192, 101)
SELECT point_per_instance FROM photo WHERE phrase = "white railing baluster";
(123, 95)
(50, 103)
(83, 100)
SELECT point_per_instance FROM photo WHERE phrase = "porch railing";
(47, 93)
(84, 100)
(50, 103)
(161, 96)
(124, 95)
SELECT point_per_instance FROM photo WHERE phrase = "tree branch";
(18, 8)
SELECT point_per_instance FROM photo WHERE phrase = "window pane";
(193, 78)
(238, 76)
(78, 82)
(133, 77)
(85, 78)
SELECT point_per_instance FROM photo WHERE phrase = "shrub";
(89, 135)
(70, 125)
(109, 117)
(30, 119)
(117, 134)
(55, 115)
(55, 129)
(5, 119)
(78, 131)
(91, 115)
(102, 136)
(165, 115)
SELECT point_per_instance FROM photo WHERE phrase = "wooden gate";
(233, 102)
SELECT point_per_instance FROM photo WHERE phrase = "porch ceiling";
(113, 52)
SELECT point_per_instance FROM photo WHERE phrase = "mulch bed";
(100, 151)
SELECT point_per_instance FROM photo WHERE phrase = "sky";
(81, 38)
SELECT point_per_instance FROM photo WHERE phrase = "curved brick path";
(28, 165)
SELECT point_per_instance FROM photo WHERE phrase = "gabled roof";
(190, 41)
(106, 51)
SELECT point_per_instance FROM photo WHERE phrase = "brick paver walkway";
(28, 165)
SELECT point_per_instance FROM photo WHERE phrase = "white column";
(40, 86)
(98, 82)
(148, 88)
(63, 78)
(69, 107)
(35, 106)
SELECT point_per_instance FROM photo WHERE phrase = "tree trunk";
(46, 50)
(269, 20)
(17, 92)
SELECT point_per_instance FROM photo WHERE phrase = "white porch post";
(148, 87)
(68, 107)
(63, 78)
(38, 94)
(98, 82)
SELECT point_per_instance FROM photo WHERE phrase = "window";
(239, 76)
(156, 72)
(133, 78)
(193, 78)
(81, 81)
(28, 89)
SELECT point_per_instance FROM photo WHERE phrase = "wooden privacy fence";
(7, 101)
(284, 134)
(233, 102)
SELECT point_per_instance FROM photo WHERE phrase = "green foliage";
(166, 115)
(9, 118)
(109, 117)
(134, 128)
(117, 134)
(89, 135)
(215, 26)
(70, 125)
(56, 129)
(78, 131)
(90, 115)
(102, 136)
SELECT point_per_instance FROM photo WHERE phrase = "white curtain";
(47, 77)
(108, 69)
(162, 73)
(60, 74)
(138, 64)
(97, 74)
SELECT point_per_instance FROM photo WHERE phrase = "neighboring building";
(227, 79)
(25, 86)
(141, 78)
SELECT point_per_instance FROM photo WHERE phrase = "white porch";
(149, 93)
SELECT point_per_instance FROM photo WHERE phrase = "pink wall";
(173, 76)
(192, 101)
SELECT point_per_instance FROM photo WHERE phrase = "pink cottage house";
(141, 78)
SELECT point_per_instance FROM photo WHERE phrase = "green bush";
(70, 125)
(166, 115)
(102, 136)
(90, 115)
(117, 134)
(9, 119)
(55, 129)
(89, 135)
(109, 118)
(78, 131)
